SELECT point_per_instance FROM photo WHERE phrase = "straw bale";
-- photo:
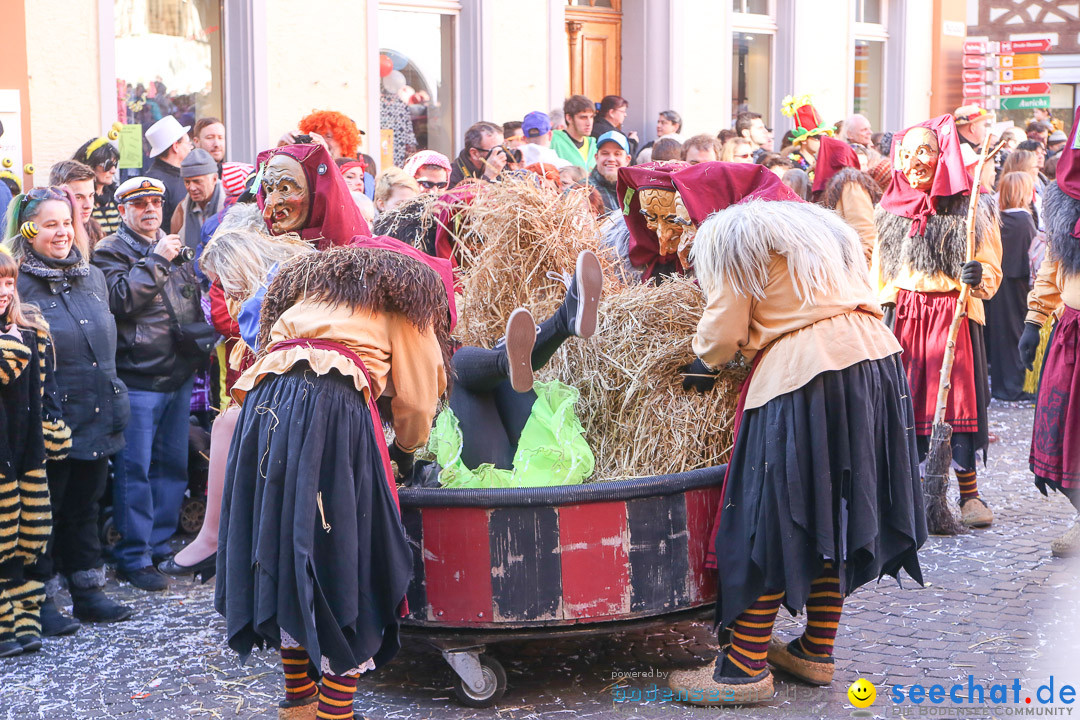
(508, 240)
(638, 419)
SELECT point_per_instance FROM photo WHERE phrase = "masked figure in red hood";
(841, 185)
(822, 492)
(302, 191)
(1055, 441)
(919, 266)
(665, 202)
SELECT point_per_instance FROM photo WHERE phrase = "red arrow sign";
(974, 61)
(1032, 88)
(1025, 46)
(974, 90)
(973, 76)
(974, 47)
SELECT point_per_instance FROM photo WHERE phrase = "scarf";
(53, 270)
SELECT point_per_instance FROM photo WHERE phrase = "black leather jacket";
(146, 354)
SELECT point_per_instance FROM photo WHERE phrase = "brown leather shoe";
(699, 687)
(790, 658)
(976, 513)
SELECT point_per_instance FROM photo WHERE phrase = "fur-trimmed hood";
(830, 198)
(943, 246)
(1061, 213)
(373, 279)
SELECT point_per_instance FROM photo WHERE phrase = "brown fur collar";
(830, 197)
(378, 280)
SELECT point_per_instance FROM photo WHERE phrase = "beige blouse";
(1052, 290)
(797, 339)
(405, 364)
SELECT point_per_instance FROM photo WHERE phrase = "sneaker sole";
(590, 279)
(520, 338)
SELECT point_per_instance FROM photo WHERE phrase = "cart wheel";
(191, 514)
(494, 685)
(109, 534)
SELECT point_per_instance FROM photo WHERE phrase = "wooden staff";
(939, 518)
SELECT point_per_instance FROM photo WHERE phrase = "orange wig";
(334, 124)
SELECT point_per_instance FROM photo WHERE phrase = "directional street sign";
(1026, 60)
(977, 76)
(974, 90)
(1028, 88)
(1008, 76)
(1025, 103)
(974, 47)
(974, 61)
(1037, 45)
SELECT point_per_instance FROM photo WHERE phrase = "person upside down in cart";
(822, 493)
(312, 554)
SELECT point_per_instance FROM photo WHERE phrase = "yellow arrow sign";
(1018, 74)
(1027, 60)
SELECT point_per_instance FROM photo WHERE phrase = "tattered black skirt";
(311, 540)
(826, 472)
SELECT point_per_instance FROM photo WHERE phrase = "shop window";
(751, 73)
(418, 46)
(753, 7)
(168, 60)
(868, 80)
(868, 11)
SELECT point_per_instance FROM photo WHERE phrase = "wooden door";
(594, 38)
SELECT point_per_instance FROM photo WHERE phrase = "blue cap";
(536, 124)
(616, 137)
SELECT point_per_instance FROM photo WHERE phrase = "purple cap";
(536, 124)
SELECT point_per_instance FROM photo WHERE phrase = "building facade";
(263, 64)
(1002, 20)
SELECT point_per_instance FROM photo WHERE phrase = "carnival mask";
(918, 157)
(666, 215)
(288, 198)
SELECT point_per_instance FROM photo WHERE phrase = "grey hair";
(734, 248)
(243, 217)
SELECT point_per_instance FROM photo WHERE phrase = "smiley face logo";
(862, 693)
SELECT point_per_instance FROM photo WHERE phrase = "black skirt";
(331, 577)
(828, 471)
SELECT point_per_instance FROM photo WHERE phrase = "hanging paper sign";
(130, 146)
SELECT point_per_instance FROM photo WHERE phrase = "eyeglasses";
(143, 203)
(108, 165)
(431, 184)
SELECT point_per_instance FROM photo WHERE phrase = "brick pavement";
(996, 606)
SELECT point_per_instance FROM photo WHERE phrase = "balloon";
(386, 65)
(393, 82)
(399, 60)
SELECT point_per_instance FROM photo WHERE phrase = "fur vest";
(943, 247)
(830, 196)
(1061, 213)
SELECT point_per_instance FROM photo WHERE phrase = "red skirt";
(922, 327)
(1055, 440)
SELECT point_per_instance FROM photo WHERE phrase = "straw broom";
(940, 519)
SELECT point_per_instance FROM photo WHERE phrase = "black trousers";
(1005, 314)
(490, 412)
(75, 488)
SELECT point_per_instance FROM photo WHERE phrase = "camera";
(185, 254)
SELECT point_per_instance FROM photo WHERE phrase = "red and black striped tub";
(522, 557)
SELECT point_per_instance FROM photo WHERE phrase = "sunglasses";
(108, 165)
(431, 184)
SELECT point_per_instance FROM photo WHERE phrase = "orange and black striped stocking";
(823, 609)
(751, 633)
(336, 697)
(298, 684)
(969, 488)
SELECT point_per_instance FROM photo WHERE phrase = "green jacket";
(565, 148)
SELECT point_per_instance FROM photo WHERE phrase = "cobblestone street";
(997, 606)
